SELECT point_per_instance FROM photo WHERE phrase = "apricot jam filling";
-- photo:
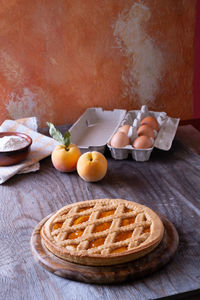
(57, 225)
(96, 243)
(127, 210)
(75, 235)
(106, 213)
(119, 250)
(80, 220)
(102, 227)
(128, 221)
(146, 230)
(123, 236)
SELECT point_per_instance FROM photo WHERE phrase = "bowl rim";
(16, 133)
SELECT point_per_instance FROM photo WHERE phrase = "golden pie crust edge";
(108, 259)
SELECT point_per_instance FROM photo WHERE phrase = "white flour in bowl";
(12, 142)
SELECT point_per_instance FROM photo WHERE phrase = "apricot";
(64, 158)
(92, 166)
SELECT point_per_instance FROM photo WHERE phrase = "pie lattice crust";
(102, 232)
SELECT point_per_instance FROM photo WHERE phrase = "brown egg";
(124, 128)
(119, 140)
(142, 142)
(151, 121)
(146, 130)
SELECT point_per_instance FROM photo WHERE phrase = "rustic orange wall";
(59, 57)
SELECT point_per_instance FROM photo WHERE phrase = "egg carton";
(94, 129)
(163, 139)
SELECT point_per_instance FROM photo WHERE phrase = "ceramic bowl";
(13, 157)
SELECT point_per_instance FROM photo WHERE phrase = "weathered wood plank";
(168, 183)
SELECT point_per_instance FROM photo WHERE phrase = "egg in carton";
(139, 138)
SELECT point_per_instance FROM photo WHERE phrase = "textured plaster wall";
(59, 57)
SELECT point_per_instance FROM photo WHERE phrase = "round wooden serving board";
(107, 274)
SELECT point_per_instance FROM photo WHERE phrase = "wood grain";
(107, 274)
(169, 183)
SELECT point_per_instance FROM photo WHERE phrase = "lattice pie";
(102, 232)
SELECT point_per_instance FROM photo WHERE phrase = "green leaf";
(55, 133)
(67, 137)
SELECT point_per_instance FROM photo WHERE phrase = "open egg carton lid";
(94, 129)
(163, 139)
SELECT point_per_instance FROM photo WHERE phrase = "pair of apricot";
(91, 166)
(67, 157)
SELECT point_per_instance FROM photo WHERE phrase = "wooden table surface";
(168, 183)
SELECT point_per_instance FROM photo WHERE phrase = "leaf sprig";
(57, 135)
